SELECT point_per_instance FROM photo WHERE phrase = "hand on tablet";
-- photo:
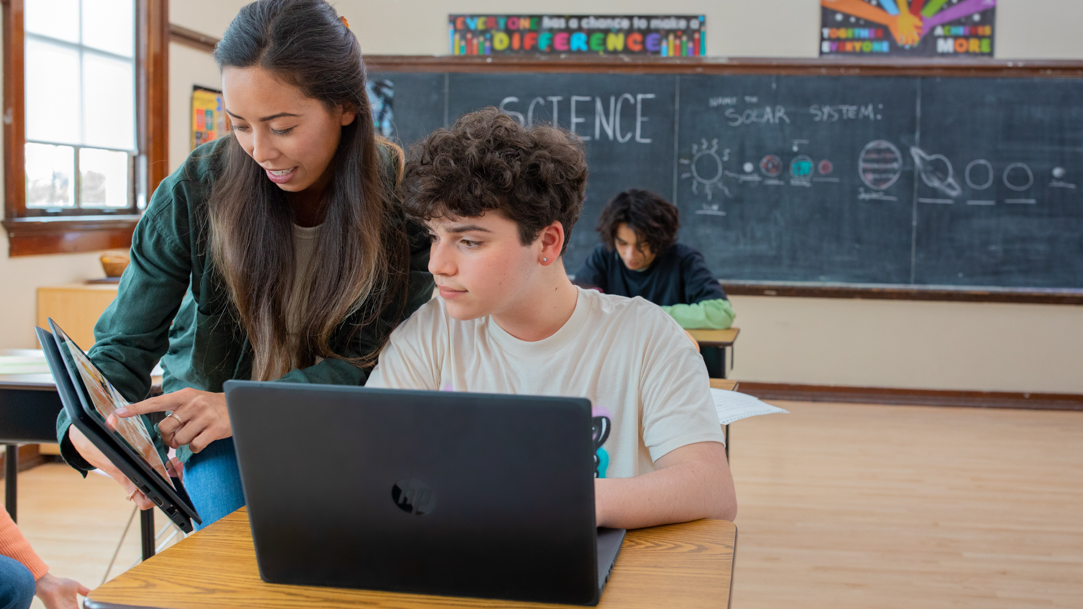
(98, 460)
(196, 418)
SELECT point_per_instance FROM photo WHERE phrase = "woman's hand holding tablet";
(95, 457)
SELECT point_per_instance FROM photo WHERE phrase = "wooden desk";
(713, 344)
(683, 565)
(724, 384)
(29, 405)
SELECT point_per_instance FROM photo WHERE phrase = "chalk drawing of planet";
(880, 164)
(936, 171)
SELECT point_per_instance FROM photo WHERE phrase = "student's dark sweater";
(678, 280)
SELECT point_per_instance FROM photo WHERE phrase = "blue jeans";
(213, 481)
(16, 584)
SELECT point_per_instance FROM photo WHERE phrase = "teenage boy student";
(500, 201)
(640, 256)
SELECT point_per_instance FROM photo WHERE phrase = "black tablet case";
(174, 502)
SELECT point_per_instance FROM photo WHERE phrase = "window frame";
(33, 232)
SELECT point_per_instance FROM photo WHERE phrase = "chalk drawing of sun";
(705, 168)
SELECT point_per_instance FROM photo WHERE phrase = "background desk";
(682, 565)
(29, 405)
(713, 344)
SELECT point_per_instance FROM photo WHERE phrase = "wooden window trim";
(29, 235)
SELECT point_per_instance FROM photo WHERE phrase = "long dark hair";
(360, 265)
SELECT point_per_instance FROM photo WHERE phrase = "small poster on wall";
(659, 35)
(915, 28)
(208, 116)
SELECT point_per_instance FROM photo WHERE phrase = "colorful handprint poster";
(962, 29)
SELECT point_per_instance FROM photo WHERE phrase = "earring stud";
(545, 260)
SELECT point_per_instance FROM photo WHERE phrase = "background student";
(279, 252)
(23, 574)
(640, 256)
(509, 320)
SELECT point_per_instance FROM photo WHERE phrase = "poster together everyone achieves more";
(916, 28)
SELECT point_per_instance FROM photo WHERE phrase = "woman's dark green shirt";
(172, 306)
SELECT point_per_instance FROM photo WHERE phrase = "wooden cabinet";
(75, 308)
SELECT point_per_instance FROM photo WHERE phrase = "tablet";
(89, 398)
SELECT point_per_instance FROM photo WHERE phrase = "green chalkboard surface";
(899, 181)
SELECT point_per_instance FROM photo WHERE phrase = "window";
(84, 94)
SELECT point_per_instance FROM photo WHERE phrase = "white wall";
(1030, 29)
(1026, 29)
(188, 67)
(908, 344)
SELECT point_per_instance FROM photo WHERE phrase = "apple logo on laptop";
(413, 496)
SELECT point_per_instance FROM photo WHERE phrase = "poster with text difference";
(913, 28)
(658, 35)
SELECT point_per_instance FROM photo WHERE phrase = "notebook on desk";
(424, 492)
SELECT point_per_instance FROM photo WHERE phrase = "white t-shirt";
(647, 384)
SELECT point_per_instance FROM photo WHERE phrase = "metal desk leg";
(715, 360)
(11, 463)
(146, 532)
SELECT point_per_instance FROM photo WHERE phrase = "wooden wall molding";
(720, 65)
(913, 397)
(905, 292)
(191, 38)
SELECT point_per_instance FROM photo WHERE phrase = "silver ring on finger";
(174, 415)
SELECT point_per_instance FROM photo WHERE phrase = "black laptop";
(425, 492)
(89, 398)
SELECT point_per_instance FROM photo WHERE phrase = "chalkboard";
(903, 181)
(1012, 212)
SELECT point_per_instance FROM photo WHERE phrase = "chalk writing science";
(923, 28)
(657, 35)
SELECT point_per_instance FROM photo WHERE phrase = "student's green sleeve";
(716, 314)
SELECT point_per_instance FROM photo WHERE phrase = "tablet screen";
(106, 399)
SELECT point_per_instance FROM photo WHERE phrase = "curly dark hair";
(487, 161)
(654, 220)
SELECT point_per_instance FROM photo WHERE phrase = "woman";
(276, 253)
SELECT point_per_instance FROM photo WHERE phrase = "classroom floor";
(841, 506)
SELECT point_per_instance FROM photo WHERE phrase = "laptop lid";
(414, 491)
(89, 398)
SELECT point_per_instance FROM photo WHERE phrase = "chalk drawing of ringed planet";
(936, 171)
(880, 164)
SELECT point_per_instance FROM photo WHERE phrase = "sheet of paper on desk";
(21, 364)
(734, 406)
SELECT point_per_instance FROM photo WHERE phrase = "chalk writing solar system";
(911, 181)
